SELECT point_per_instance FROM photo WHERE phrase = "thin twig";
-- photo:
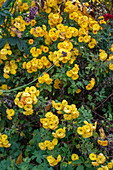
(104, 101)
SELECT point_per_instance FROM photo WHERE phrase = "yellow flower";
(58, 106)
(67, 117)
(10, 112)
(49, 115)
(59, 112)
(69, 73)
(55, 141)
(4, 137)
(101, 158)
(78, 91)
(30, 41)
(28, 100)
(80, 130)
(95, 164)
(105, 168)
(51, 146)
(100, 169)
(59, 158)
(89, 87)
(110, 165)
(104, 143)
(74, 157)
(75, 76)
(111, 66)
(64, 103)
(69, 162)
(60, 133)
(91, 45)
(67, 109)
(33, 22)
(25, 6)
(103, 56)
(81, 39)
(32, 89)
(20, 104)
(50, 159)
(47, 143)
(28, 107)
(92, 156)
(42, 146)
(45, 49)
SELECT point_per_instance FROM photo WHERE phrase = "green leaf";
(20, 44)
(80, 167)
(90, 97)
(7, 3)
(12, 41)
(3, 42)
(2, 19)
(7, 12)
(77, 161)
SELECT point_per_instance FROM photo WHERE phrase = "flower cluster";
(35, 64)
(27, 99)
(49, 5)
(54, 19)
(102, 142)
(23, 7)
(57, 82)
(3, 141)
(73, 73)
(4, 52)
(10, 113)
(10, 68)
(38, 31)
(45, 79)
(87, 130)
(69, 111)
(4, 87)
(91, 84)
(48, 144)
(99, 159)
(84, 20)
(18, 23)
(52, 161)
(51, 121)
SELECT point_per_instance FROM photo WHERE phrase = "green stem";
(46, 71)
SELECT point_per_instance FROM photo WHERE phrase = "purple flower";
(32, 14)
(64, 54)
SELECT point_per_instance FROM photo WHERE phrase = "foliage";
(56, 72)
